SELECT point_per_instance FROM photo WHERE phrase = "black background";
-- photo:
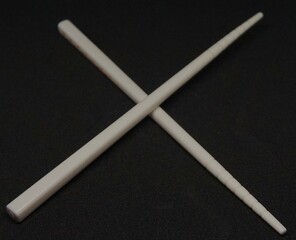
(241, 108)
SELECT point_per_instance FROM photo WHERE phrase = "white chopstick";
(28, 201)
(127, 85)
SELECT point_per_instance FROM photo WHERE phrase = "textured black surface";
(241, 108)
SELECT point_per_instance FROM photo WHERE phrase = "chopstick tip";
(260, 15)
(282, 230)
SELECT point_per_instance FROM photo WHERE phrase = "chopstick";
(127, 85)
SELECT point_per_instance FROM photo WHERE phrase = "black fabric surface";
(241, 108)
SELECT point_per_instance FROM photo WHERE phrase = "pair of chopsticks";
(38, 193)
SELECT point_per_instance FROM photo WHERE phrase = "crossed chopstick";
(33, 197)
